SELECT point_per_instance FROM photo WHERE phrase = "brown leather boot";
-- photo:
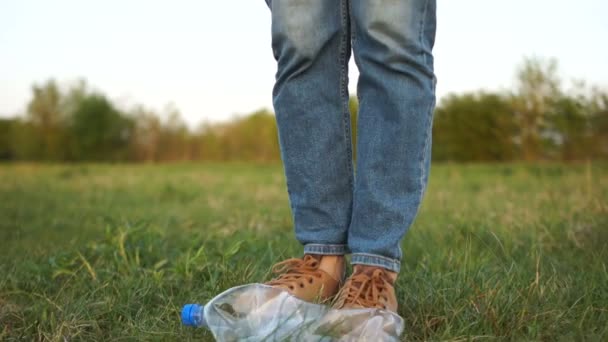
(313, 278)
(368, 287)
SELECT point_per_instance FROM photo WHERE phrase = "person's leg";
(392, 44)
(311, 43)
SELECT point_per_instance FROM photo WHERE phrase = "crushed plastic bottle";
(258, 312)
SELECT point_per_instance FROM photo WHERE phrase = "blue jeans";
(335, 211)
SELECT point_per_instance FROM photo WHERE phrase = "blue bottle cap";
(192, 315)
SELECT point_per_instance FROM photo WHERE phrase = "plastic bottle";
(258, 312)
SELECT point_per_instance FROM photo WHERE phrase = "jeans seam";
(428, 115)
(345, 36)
(421, 33)
(428, 112)
(353, 36)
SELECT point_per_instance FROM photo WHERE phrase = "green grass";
(111, 252)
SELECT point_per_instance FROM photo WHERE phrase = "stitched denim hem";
(315, 248)
(376, 260)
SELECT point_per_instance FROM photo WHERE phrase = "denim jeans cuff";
(317, 248)
(376, 260)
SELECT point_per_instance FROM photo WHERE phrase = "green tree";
(98, 131)
(538, 87)
(146, 136)
(209, 142)
(598, 106)
(253, 137)
(6, 144)
(173, 140)
(474, 127)
(568, 132)
(44, 113)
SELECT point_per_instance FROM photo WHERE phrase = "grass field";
(111, 252)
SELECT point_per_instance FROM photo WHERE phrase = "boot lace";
(296, 272)
(365, 290)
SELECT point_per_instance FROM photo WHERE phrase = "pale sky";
(213, 59)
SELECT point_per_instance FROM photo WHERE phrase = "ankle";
(334, 265)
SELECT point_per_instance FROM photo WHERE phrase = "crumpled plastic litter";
(258, 312)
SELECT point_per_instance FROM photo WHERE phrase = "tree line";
(538, 120)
